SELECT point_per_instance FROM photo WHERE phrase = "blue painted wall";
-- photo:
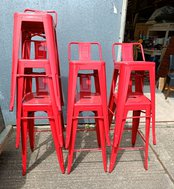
(78, 20)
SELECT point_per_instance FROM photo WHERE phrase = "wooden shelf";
(161, 29)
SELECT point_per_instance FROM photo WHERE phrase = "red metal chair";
(85, 99)
(128, 52)
(135, 101)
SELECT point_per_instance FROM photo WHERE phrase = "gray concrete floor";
(43, 169)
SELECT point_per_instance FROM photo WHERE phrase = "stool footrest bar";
(131, 148)
(87, 149)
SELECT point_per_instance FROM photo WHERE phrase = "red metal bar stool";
(41, 100)
(135, 101)
(85, 99)
(26, 66)
(128, 52)
(35, 24)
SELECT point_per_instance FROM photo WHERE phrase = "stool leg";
(18, 127)
(122, 95)
(50, 37)
(56, 143)
(153, 126)
(152, 90)
(20, 83)
(103, 89)
(31, 130)
(61, 126)
(58, 126)
(16, 44)
(117, 132)
(139, 81)
(97, 129)
(102, 141)
(72, 143)
(56, 113)
(147, 131)
(96, 80)
(71, 91)
(62, 121)
(112, 107)
(58, 68)
(24, 144)
(135, 125)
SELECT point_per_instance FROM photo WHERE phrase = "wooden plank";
(164, 64)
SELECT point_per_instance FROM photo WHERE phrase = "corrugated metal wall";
(78, 20)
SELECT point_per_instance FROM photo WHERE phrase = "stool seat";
(86, 65)
(134, 98)
(134, 65)
(88, 62)
(88, 99)
(37, 99)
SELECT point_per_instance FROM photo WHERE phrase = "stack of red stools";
(82, 70)
(127, 94)
(36, 78)
(36, 85)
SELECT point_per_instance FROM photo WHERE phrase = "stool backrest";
(40, 49)
(84, 50)
(52, 12)
(40, 52)
(127, 51)
(85, 83)
(42, 85)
